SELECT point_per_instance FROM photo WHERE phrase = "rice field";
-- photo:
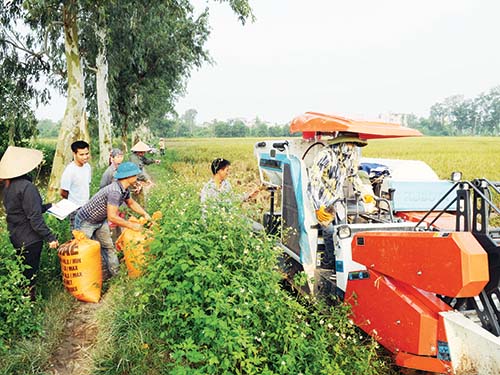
(474, 156)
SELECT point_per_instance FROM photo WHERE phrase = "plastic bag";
(135, 244)
(81, 267)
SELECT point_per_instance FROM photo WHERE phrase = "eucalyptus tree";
(53, 26)
(94, 41)
(153, 47)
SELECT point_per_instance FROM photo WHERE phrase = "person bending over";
(92, 218)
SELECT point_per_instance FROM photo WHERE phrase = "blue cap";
(127, 169)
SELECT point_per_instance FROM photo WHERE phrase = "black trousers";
(31, 257)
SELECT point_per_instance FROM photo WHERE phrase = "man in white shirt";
(75, 180)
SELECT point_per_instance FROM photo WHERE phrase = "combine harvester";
(421, 271)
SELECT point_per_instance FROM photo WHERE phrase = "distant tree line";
(460, 116)
(454, 116)
(181, 127)
(186, 126)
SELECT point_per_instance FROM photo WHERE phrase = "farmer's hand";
(323, 216)
(137, 188)
(54, 244)
(135, 226)
(368, 198)
(251, 195)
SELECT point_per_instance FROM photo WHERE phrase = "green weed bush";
(16, 318)
(49, 150)
(210, 302)
(29, 331)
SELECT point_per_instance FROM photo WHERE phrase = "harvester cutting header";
(413, 255)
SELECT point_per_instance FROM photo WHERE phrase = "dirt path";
(73, 356)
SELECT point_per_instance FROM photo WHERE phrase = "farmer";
(217, 192)
(331, 168)
(103, 206)
(143, 180)
(138, 157)
(218, 185)
(75, 180)
(24, 208)
(115, 159)
(162, 146)
(218, 188)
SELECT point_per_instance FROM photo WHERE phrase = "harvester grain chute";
(420, 270)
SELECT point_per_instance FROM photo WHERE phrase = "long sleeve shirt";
(328, 174)
(211, 192)
(108, 176)
(141, 161)
(23, 205)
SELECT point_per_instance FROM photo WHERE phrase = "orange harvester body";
(406, 269)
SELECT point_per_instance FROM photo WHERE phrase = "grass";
(29, 355)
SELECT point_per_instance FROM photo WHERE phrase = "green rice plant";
(475, 157)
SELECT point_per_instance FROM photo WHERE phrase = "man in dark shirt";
(103, 206)
(143, 180)
(24, 208)
(139, 158)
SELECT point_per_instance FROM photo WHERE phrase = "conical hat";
(18, 161)
(140, 147)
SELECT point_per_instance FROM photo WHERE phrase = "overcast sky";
(356, 58)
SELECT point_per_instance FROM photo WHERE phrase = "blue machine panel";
(421, 195)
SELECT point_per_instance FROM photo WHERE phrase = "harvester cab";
(418, 264)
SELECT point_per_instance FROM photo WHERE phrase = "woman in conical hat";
(24, 208)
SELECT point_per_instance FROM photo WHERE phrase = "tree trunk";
(12, 129)
(142, 133)
(124, 131)
(74, 123)
(103, 106)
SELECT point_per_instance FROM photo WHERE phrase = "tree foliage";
(17, 120)
(20, 70)
(457, 115)
(150, 56)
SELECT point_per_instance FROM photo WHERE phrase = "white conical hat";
(17, 161)
(140, 147)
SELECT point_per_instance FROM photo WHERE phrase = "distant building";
(397, 118)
